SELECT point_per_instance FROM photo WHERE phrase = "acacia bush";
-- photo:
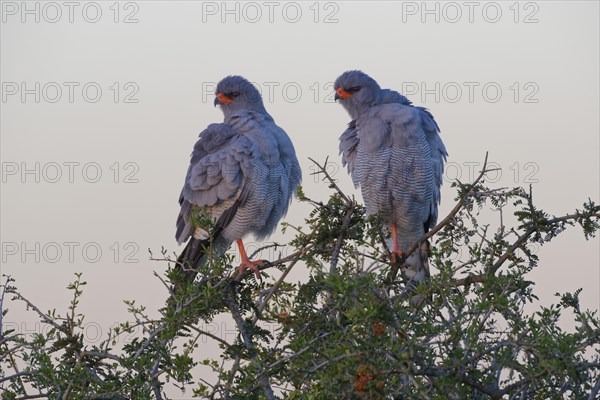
(352, 330)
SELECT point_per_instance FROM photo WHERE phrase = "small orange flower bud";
(378, 328)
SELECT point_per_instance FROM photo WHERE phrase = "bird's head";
(236, 93)
(356, 92)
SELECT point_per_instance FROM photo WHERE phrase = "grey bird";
(243, 174)
(394, 153)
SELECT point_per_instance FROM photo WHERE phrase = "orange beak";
(342, 94)
(224, 99)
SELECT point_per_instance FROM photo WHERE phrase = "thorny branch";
(266, 370)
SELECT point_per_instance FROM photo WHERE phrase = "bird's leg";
(246, 263)
(396, 254)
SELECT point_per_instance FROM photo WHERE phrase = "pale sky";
(104, 113)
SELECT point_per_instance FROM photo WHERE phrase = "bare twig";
(33, 396)
(278, 283)
(43, 315)
(210, 335)
(18, 375)
(332, 182)
(232, 372)
(169, 288)
(265, 247)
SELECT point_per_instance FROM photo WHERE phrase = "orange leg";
(396, 252)
(246, 263)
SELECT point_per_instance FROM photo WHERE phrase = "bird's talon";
(253, 266)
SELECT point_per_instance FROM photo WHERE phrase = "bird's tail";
(416, 270)
(188, 265)
(198, 252)
(192, 257)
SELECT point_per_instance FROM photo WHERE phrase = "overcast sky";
(102, 103)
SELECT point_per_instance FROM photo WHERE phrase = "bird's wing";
(393, 166)
(348, 143)
(215, 177)
(438, 158)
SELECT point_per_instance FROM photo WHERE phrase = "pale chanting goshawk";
(243, 174)
(395, 155)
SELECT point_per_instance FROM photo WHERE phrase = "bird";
(394, 153)
(243, 175)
